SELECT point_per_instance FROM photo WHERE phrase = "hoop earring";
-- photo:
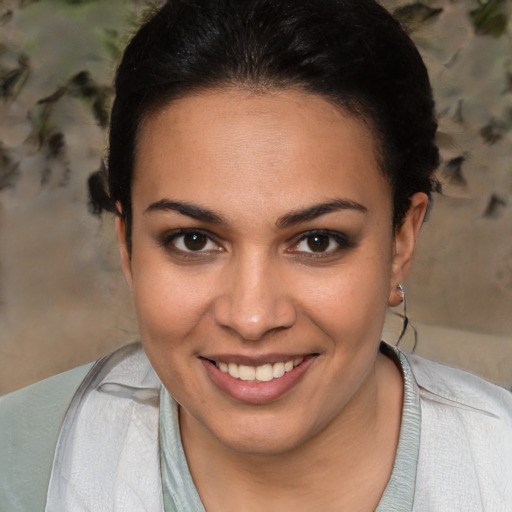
(405, 320)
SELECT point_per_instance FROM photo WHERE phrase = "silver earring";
(405, 320)
(401, 291)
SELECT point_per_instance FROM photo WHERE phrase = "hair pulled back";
(352, 52)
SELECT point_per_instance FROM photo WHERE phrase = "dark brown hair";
(352, 52)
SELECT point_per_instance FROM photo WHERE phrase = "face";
(263, 261)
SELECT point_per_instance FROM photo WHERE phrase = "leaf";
(82, 85)
(101, 110)
(9, 170)
(99, 200)
(493, 132)
(495, 205)
(53, 98)
(6, 16)
(489, 18)
(56, 144)
(452, 172)
(41, 126)
(508, 82)
(413, 16)
(111, 43)
(12, 81)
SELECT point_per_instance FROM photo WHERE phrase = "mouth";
(257, 381)
(262, 373)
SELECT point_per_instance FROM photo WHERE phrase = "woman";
(270, 165)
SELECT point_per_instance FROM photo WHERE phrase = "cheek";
(349, 302)
(173, 304)
(167, 308)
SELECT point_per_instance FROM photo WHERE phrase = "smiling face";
(263, 260)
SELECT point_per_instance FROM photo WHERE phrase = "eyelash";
(168, 241)
(341, 240)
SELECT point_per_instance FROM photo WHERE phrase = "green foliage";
(142, 14)
(452, 171)
(5, 16)
(111, 43)
(42, 127)
(415, 15)
(13, 80)
(9, 169)
(26, 3)
(80, 1)
(493, 131)
(490, 17)
(97, 31)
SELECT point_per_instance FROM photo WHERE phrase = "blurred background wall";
(62, 298)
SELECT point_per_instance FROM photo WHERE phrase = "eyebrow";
(287, 220)
(190, 210)
(317, 210)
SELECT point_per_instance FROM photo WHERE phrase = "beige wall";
(62, 298)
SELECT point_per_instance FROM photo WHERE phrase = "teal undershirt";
(180, 494)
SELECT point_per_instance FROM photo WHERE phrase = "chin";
(263, 444)
(263, 434)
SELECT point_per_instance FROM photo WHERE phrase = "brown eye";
(322, 243)
(195, 241)
(190, 241)
(318, 243)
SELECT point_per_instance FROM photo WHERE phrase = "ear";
(404, 244)
(126, 264)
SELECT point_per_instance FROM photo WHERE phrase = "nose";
(254, 300)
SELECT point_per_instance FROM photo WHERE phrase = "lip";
(257, 360)
(256, 392)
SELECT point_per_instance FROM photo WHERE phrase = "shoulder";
(30, 421)
(465, 457)
(56, 387)
(33, 419)
(460, 389)
(40, 404)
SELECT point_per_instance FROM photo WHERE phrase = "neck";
(345, 466)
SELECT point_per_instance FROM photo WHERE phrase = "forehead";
(255, 151)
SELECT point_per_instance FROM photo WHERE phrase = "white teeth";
(278, 370)
(233, 370)
(263, 373)
(246, 372)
